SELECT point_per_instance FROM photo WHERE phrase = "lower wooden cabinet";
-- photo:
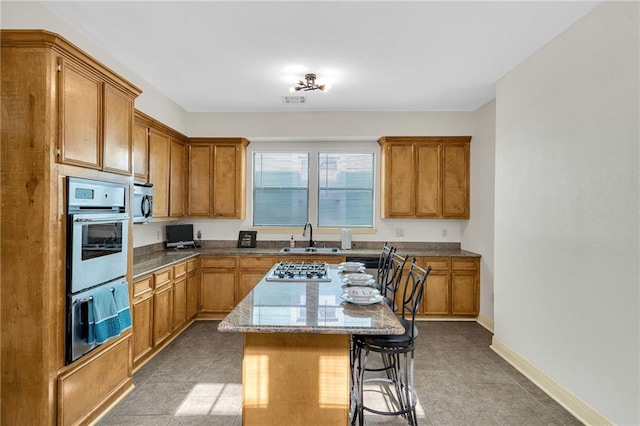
(142, 326)
(193, 286)
(218, 283)
(250, 271)
(179, 302)
(162, 314)
(88, 389)
(452, 287)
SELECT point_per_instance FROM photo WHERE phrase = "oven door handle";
(83, 220)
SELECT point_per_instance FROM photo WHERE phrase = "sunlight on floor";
(218, 399)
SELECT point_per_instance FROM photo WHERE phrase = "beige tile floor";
(459, 381)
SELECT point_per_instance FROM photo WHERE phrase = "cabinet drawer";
(226, 262)
(142, 286)
(257, 262)
(179, 270)
(162, 277)
(436, 263)
(192, 265)
(460, 263)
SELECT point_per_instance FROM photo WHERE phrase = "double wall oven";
(97, 251)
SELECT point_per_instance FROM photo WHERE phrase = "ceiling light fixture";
(308, 84)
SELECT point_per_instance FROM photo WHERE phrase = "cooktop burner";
(300, 271)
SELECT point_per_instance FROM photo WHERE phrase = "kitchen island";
(296, 349)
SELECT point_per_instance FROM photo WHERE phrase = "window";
(280, 188)
(345, 190)
(341, 196)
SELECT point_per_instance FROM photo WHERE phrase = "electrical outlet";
(158, 235)
(444, 232)
(399, 233)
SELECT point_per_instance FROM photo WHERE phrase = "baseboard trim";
(485, 321)
(563, 396)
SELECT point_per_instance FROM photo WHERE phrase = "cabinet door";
(193, 281)
(436, 294)
(142, 326)
(162, 314)
(179, 302)
(455, 180)
(247, 280)
(140, 152)
(218, 291)
(118, 119)
(427, 168)
(80, 116)
(200, 162)
(159, 172)
(227, 181)
(464, 293)
(398, 181)
(177, 186)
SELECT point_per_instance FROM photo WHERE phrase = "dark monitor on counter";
(179, 236)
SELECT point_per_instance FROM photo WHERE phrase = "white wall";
(567, 211)
(35, 15)
(477, 232)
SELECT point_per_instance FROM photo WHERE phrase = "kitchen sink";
(317, 250)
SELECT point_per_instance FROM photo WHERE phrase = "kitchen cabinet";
(425, 177)
(60, 107)
(95, 119)
(162, 306)
(465, 286)
(216, 177)
(218, 284)
(436, 299)
(142, 318)
(179, 295)
(193, 285)
(250, 271)
(140, 150)
(177, 186)
(159, 145)
(160, 159)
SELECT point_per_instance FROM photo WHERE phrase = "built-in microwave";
(142, 202)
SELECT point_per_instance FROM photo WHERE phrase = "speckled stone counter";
(307, 307)
(147, 263)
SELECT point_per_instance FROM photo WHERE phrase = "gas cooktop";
(300, 271)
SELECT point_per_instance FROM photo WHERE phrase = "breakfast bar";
(296, 347)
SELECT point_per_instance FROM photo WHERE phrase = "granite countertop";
(147, 263)
(307, 307)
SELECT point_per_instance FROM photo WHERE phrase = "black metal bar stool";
(397, 352)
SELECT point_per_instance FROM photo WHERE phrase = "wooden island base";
(295, 379)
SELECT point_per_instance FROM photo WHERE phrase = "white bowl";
(362, 292)
(352, 266)
(359, 278)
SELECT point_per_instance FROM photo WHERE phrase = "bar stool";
(397, 352)
(383, 262)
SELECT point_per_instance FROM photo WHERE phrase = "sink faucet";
(304, 233)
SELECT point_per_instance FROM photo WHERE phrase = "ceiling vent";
(294, 99)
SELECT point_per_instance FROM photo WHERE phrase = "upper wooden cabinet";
(95, 118)
(425, 177)
(160, 158)
(217, 174)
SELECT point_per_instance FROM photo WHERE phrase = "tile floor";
(459, 381)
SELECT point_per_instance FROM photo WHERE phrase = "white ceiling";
(211, 56)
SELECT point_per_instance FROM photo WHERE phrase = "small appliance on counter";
(179, 236)
(142, 202)
(346, 239)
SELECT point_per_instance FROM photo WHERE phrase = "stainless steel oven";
(97, 251)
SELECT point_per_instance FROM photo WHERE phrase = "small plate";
(370, 301)
(348, 289)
